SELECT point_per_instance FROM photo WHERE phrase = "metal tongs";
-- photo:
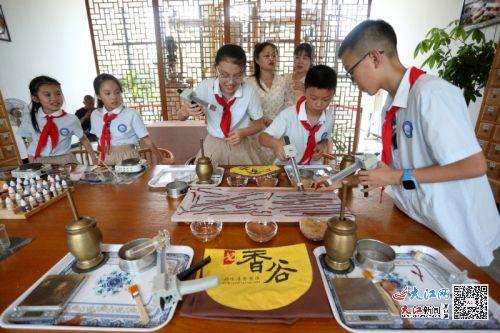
(363, 161)
(291, 152)
(190, 96)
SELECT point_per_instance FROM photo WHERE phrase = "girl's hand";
(194, 110)
(234, 137)
(165, 161)
(381, 176)
(95, 160)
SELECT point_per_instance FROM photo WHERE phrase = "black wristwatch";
(408, 182)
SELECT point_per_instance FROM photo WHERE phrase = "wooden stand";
(488, 125)
(9, 155)
(17, 214)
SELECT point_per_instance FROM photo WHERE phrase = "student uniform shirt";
(126, 129)
(434, 128)
(288, 122)
(245, 109)
(68, 125)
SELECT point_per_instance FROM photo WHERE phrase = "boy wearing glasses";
(431, 158)
(307, 124)
(238, 114)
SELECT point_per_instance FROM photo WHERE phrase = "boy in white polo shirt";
(431, 157)
(307, 124)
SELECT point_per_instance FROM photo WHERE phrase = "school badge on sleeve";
(259, 279)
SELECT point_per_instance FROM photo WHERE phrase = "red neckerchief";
(225, 122)
(311, 140)
(50, 129)
(387, 126)
(105, 141)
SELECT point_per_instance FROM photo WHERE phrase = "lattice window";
(264, 20)
(325, 24)
(192, 31)
(125, 44)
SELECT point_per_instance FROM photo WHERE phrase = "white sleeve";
(93, 123)
(446, 125)
(138, 126)
(77, 128)
(278, 127)
(254, 107)
(26, 128)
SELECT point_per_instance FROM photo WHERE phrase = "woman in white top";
(273, 89)
(302, 61)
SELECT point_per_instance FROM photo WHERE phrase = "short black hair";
(322, 77)
(232, 53)
(370, 34)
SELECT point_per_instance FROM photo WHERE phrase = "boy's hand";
(234, 137)
(320, 185)
(319, 150)
(267, 121)
(381, 176)
(278, 150)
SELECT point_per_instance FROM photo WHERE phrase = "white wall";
(411, 19)
(49, 37)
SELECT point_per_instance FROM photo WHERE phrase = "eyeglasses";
(350, 72)
(234, 78)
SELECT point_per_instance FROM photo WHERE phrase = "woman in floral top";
(273, 89)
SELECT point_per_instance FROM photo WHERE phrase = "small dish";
(306, 176)
(313, 228)
(374, 256)
(144, 261)
(261, 231)
(267, 181)
(206, 230)
(176, 189)
(237, 181)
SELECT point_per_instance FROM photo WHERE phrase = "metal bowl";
(176, 189)
(143, 262)
(374, 256)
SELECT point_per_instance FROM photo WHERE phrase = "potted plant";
(462, 57)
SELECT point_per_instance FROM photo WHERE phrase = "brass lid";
(203, 160)
(342, 225)
(85, 222)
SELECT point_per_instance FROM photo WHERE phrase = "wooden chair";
(83, 157)
(148, 155)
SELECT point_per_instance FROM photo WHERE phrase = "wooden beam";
(91, 30)
(357, 126)
(159, 57)
(298, 21)
(227, 22)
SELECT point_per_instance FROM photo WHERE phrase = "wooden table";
(126, 212)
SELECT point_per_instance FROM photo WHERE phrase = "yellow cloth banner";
(259, 279)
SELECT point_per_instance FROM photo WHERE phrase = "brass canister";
(340, 238)
(204, 168)
(83, 239)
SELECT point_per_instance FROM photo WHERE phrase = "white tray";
(403, 260)
(103, 302)
(165, 174)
